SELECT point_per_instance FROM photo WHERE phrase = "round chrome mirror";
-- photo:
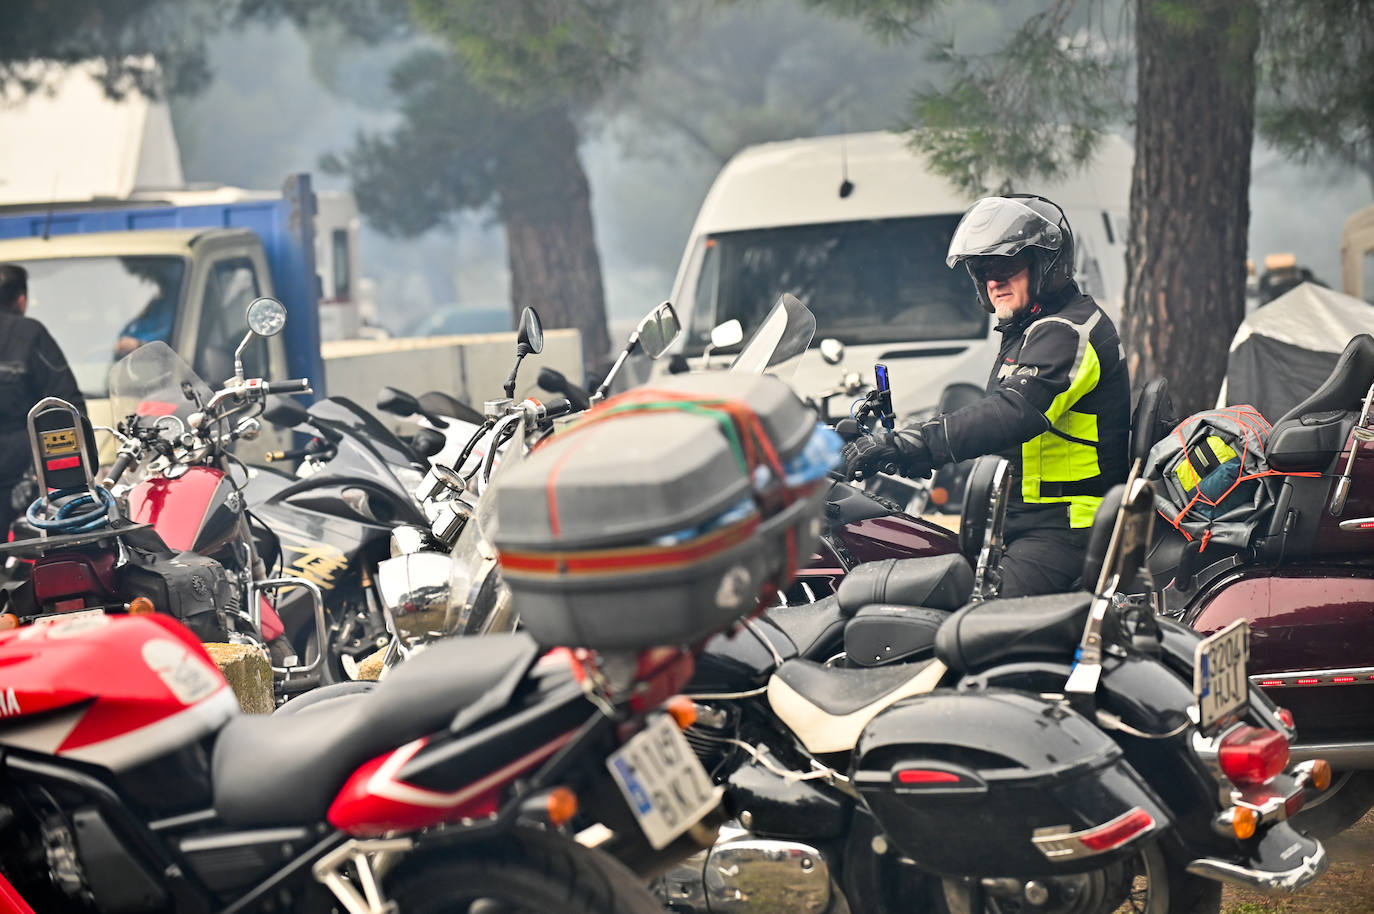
(531, 332)
(832, 350)
(266, 316)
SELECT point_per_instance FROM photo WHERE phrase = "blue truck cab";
(105, 277)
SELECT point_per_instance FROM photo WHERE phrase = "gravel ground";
(1346, 888)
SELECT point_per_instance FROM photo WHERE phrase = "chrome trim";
(1358, 525)
(359, 889)
(1364, 675)
(1058, 843)
(744, 874)
(286, 582)
(1340, 755)
(1286, 881)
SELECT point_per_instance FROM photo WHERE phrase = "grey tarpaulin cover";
(1284, 350)
(1210, 478)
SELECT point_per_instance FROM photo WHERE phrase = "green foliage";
(1034, 108)
(1317, 80)
(543, 52)
(892, 19)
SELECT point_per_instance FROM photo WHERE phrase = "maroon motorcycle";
(1306, 583)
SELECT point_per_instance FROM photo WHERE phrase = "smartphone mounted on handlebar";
(884, 391)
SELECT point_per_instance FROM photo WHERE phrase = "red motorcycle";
(168, 528)
(129, 781)
(1306, 583)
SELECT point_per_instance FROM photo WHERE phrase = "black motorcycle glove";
(904, 449)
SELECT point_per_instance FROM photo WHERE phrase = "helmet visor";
(1001, 227)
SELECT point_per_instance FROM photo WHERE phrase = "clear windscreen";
(153, 381)
(778, 343)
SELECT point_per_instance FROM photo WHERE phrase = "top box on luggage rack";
(659, 516)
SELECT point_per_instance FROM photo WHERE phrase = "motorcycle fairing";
(114, 691)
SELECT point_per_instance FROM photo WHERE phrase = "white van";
(857, 227)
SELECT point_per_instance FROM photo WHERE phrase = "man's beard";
(1006, 312)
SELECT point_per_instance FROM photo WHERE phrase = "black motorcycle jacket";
(31, 367)
(1058, 408)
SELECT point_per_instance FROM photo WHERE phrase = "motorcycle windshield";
(152, 382)
(776, 347)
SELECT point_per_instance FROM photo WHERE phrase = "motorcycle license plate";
(663, 782)
(74, 616)
(1220, 684)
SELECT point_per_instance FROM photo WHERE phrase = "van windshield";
(874, 281)
(99, 309)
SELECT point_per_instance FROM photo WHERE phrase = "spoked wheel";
(1148, 883)
(529, 872)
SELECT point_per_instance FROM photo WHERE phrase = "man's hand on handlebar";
(903, 452)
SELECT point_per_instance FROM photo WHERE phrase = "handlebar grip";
(120, 465)
(291, 386)
(273, 456)
(559, 406)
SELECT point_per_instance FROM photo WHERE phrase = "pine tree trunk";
(1190, 193)
(546, 205)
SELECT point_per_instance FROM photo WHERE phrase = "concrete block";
(249, 675)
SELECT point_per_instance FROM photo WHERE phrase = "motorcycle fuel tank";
(196, 511)
(114, 691)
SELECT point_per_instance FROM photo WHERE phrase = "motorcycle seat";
(828, 707)
(816, 629)
(1019, 627)
(286, 769)
(879, 635)
(934, 582)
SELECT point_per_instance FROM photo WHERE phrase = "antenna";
(846, 185)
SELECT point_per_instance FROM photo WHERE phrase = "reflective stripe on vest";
(1060, 465)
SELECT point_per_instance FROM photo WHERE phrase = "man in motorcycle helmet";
(1058, 400)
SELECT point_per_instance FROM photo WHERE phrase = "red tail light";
(926, 776)
(1286, 716)
(1251, 756)
(1117, 832)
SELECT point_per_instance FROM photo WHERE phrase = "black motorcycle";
(1068, 754)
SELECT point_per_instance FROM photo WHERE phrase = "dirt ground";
(1346, 888)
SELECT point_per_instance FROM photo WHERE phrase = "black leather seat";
(1042, 626)
(817, 629)
(285, 769)
(934, 582)
(1310, 434)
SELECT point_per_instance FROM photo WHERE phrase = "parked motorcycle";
(168, 523)
(1305, 581)
(1069, 753)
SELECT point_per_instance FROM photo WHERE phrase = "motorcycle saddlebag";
(191, 588)
(1035, 789)
(657, 517)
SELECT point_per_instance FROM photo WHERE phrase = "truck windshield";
(100, 309)
(874, 281)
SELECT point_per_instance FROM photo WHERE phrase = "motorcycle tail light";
(1117, 832)
(1251, 756)
(1286, 716)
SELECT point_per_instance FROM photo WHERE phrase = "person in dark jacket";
(31, 367)
(1058, 400)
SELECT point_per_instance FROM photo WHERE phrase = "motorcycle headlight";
(416, 593)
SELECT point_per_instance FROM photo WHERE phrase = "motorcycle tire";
(527, 871)
(1350, 796)
(1168, 887)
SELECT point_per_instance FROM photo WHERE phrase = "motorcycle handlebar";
(272, 456)
(561, 406)
(120, 465)
(291, 386)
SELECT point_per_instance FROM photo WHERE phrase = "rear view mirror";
(266, 316)
(285, 412)
(730, 333)
(531, 332)
(397, 402)
(658, 330)
(832, 350)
